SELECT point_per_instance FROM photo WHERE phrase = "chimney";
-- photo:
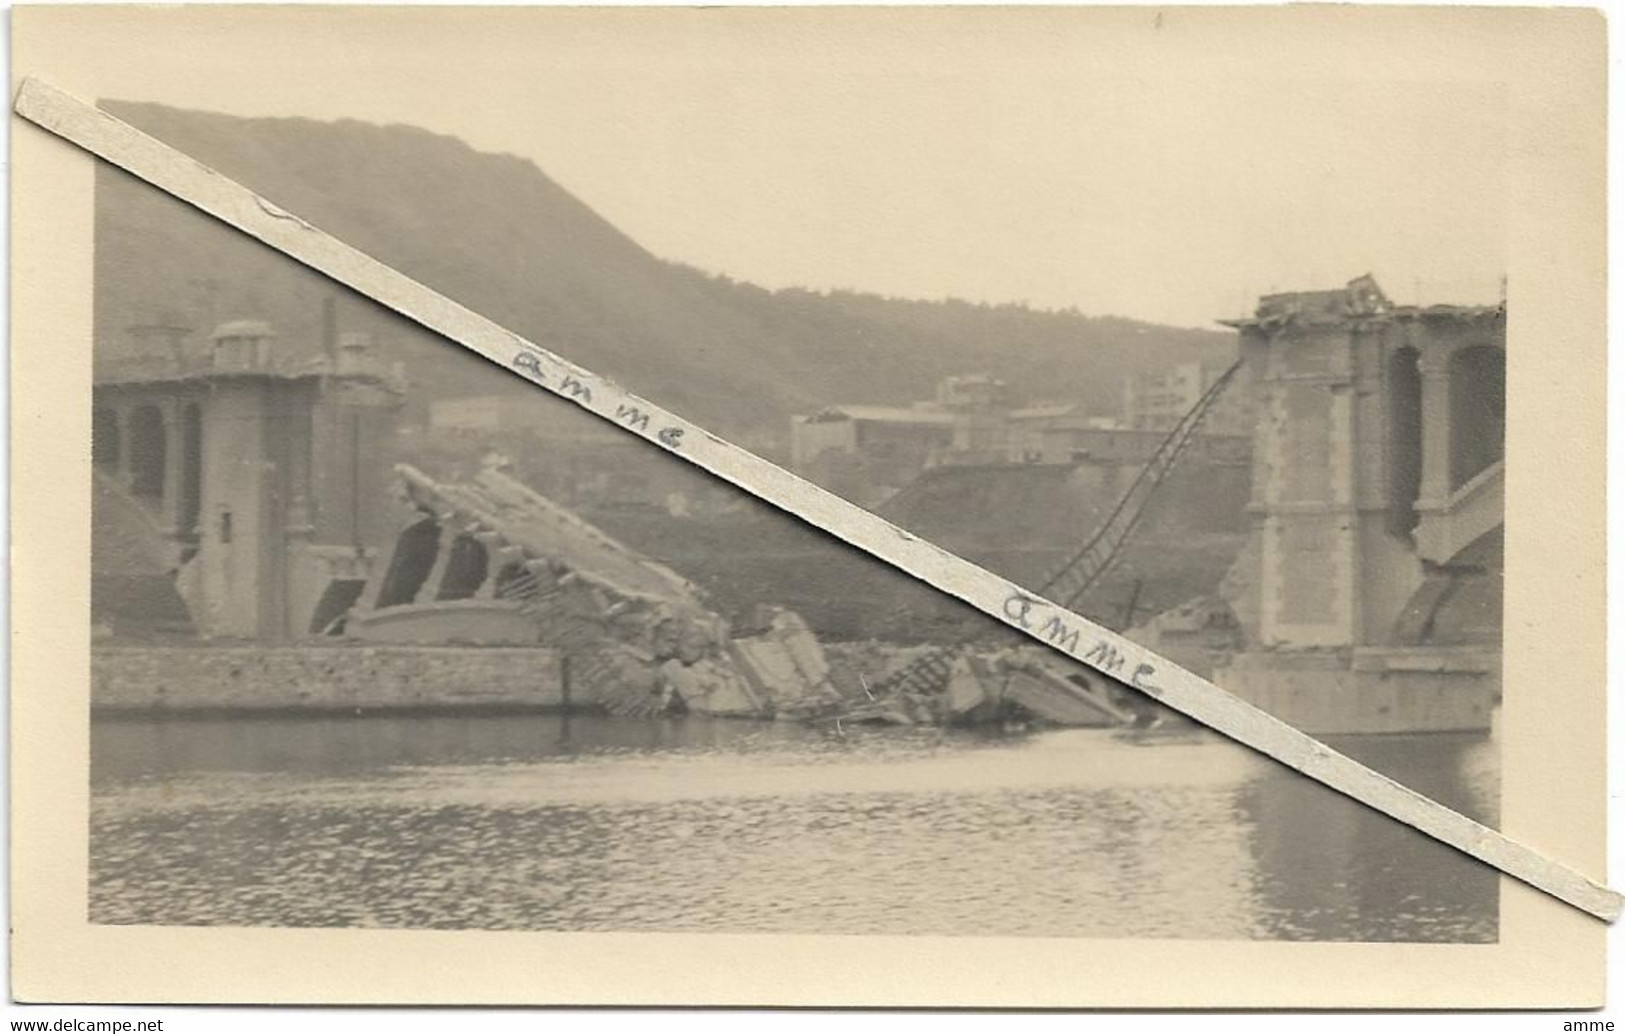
(330, 330)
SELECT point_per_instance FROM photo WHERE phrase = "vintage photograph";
(349, 666)
(382, 636)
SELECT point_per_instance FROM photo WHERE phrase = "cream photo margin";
(1552, 63)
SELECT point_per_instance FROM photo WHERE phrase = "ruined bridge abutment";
(1369, 595)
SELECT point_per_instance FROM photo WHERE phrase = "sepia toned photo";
(328, 547)
(381, 637)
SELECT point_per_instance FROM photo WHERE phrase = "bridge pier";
(246, 466)
(1369, 597)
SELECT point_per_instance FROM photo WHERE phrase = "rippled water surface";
(548, 823)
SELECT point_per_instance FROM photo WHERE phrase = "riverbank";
(309, 678)
(134, 679)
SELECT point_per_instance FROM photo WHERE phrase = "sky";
(1095, 165)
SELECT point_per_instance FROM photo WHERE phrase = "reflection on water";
(548, 823)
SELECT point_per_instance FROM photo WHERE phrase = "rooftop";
(153, 370)
(882, 415)
(1360, 300)
(243, 328)
(1046, 412)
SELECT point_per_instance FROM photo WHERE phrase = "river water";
(554, 823)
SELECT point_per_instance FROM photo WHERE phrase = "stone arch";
(1477, 411)
(148, 452)
(1457, 604)
(333, 609)
(105, 438)
(1404, 440)
(410, 565)
(466, 567)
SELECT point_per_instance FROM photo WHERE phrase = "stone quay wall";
(150, 678)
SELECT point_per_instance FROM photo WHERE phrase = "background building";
(1157, 402)
(530, 412)
(868, 452)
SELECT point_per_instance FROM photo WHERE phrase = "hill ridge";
(495, 232)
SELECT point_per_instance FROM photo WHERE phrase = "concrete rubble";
(940, 686)
(637, 637)
(503, 565)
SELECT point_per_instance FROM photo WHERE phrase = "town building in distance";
(868, 453)
(1157, 402)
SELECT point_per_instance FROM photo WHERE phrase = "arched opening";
(104, 438)
(466, 568)
(1460, 603)
(147, 449)
(409, 567)
(334, 607)
(191, 472)
(1478, 407)
(1404, 440)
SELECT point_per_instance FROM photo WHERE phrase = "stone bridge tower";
(1369, 595)
(261, 474)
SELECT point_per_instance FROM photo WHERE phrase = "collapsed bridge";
(491, 562)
